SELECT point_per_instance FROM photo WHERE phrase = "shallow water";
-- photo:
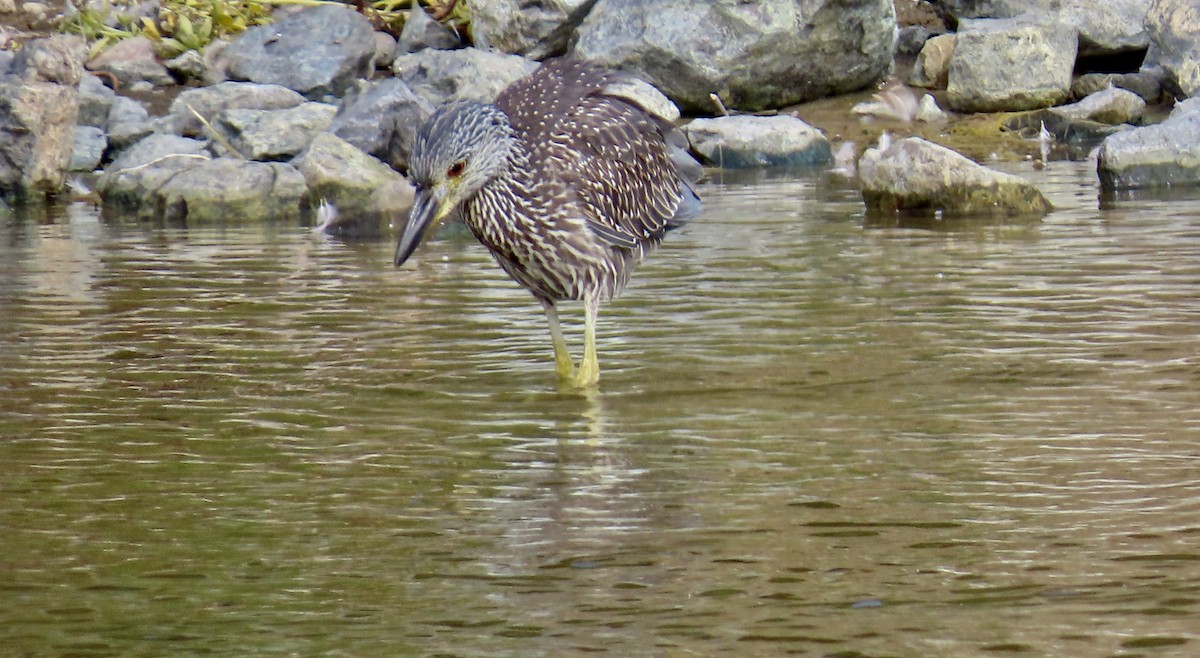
(810, 438)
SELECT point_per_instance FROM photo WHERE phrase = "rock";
(132, 61)
(129, 183)
(753, 55)
(95, 99)
(469, 73)
(190, 65)
(421, 32)
(233, 190)
(88, 149)
(644, 94)
(1144, 84)
(317, 51)
(128, 122)
(381, 119)
(1105, 28)
(348, 178)
(58, 58)
(37, 134)
(1162, 155)
(1009, 65)
(914, 176)
(932, 68)
(523, 26)
(6, 60)
(385, 50)
(274, 134)
(752, 141)
(210, 101)
(1174, 27)
(1111, 105)
(911, 39)
(928, 110)
(1078, 134)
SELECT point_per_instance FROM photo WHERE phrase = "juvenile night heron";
(567, 185)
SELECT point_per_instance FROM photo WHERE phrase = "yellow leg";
(589, 368)
(563, 365)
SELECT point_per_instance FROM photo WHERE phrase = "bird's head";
(462, 147)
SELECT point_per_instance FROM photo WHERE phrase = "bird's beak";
(424, 212)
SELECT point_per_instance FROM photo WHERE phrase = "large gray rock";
(1174, 27)
(524, 26)
(753, 55)
(316, 51)
(95, 98)
(131, 61)
(348, 178)
(274, 134)
(748, 141)
(1162, 155)
(208, 102)
(57, 58)
(234, 190)
(37, 135)
(88, 150)
(1105, 28)
(914, 176)
(382, 119)
(1009, 65)
(469, 73)
(129, 184)
(128, 121)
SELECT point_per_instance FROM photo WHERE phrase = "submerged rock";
(914, 176)
(1012, 64)
(129, 183)
(234, 190)
(317, 51)
(753, 55)
(1162, 155)
(753, 141)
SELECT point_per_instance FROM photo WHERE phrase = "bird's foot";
(564, 369)
(588, 374)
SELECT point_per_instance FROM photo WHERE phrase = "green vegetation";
(182, 25)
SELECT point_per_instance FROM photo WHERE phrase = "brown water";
(810, 438)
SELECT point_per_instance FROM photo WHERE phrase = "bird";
(566, 183)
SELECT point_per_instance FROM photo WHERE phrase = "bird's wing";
(616, 165)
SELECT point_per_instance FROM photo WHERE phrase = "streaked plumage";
(569, 187)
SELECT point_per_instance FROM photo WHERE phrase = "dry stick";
(215, 134)
(720, 106)
(199, 156)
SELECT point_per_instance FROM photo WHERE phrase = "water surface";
(810, 438)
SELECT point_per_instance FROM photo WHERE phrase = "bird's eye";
(456, 169)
